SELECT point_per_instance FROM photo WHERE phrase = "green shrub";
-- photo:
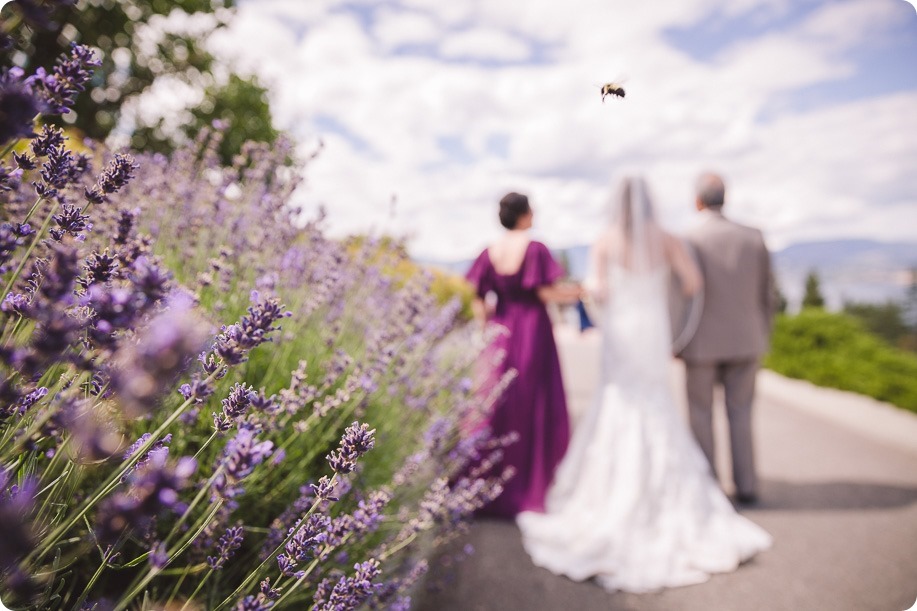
(835, 350)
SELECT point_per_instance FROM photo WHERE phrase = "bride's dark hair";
(512, 207)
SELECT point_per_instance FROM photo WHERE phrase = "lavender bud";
(240, 457)
(58, 89)
(24, 161)
(234, 406)
(358, 439)
(226, 547)
(50, 139)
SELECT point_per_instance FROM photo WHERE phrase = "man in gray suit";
(734, 329)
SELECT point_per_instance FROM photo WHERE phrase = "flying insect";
(612, 89)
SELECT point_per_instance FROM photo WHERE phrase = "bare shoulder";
(603, 243)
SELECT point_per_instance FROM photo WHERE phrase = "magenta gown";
(534, 404)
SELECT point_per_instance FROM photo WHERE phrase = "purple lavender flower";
(16, 504)
(339, 365)
(394, 590)
(24, 161)
(160, 446)
(10, 179)
(240, 457)
(114, 177)
(269, 592)
(281, 525)
(198, 389)
(351, 592)
(358, 439)
(324, 489)
(254, 603)
(59, 88)
(50, 139)
(308, 538)
(402, 603)
(234, 406)
(234, 343)
(226, 547)
(92, 436)
(134, 447)
(118, 173)
(262, 403)
(212, 365)
(158, 557)
(151, 491)
(148, 277)
(60, 274)
(100, 268)
(70, 220)
(112, 310)
(437, 434)
(126, 221)
(23, 230)
(368, 514)
(161, 353)
(18, 106)
(54, 334)
(23, 404)
(9, 242)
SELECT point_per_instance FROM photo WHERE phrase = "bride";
(633, 502)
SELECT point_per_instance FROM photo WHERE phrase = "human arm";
(479, 310)
(481, 280)
(542, 274)
(597, 282)
(559, 293)
(683, 265)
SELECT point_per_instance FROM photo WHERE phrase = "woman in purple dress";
(523, 275)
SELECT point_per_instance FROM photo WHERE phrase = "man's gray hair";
(711, 191)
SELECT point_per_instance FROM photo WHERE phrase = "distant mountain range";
(849, 270)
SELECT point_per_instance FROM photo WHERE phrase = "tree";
(780, 300)
(910, 302)
(239, 109)
(883, 319)
(813, 297)
(909, 307)
(137, 48)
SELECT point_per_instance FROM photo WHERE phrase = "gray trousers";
(738, 380)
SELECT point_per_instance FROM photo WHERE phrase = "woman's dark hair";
(512, 207)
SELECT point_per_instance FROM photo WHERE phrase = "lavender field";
(205, 403)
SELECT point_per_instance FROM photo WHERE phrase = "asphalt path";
(838, 494)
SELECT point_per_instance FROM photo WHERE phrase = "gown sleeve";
(540, 268)
(480, 275)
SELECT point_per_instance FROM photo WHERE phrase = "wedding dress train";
(633, 502)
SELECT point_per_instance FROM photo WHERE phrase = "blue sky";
(804, 106)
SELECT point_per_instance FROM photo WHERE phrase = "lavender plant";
(205, 403)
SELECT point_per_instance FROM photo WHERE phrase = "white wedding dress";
(633, 503)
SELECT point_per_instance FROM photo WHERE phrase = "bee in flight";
(612, 89)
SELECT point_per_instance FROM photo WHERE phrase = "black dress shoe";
(747, 498)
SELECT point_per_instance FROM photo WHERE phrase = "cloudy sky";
(431, 110)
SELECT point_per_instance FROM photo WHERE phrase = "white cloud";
(484, 44)
(834, 172)
(394, 28)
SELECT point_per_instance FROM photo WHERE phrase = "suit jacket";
(739, 291)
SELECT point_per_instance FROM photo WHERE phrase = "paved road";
(839, 495)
